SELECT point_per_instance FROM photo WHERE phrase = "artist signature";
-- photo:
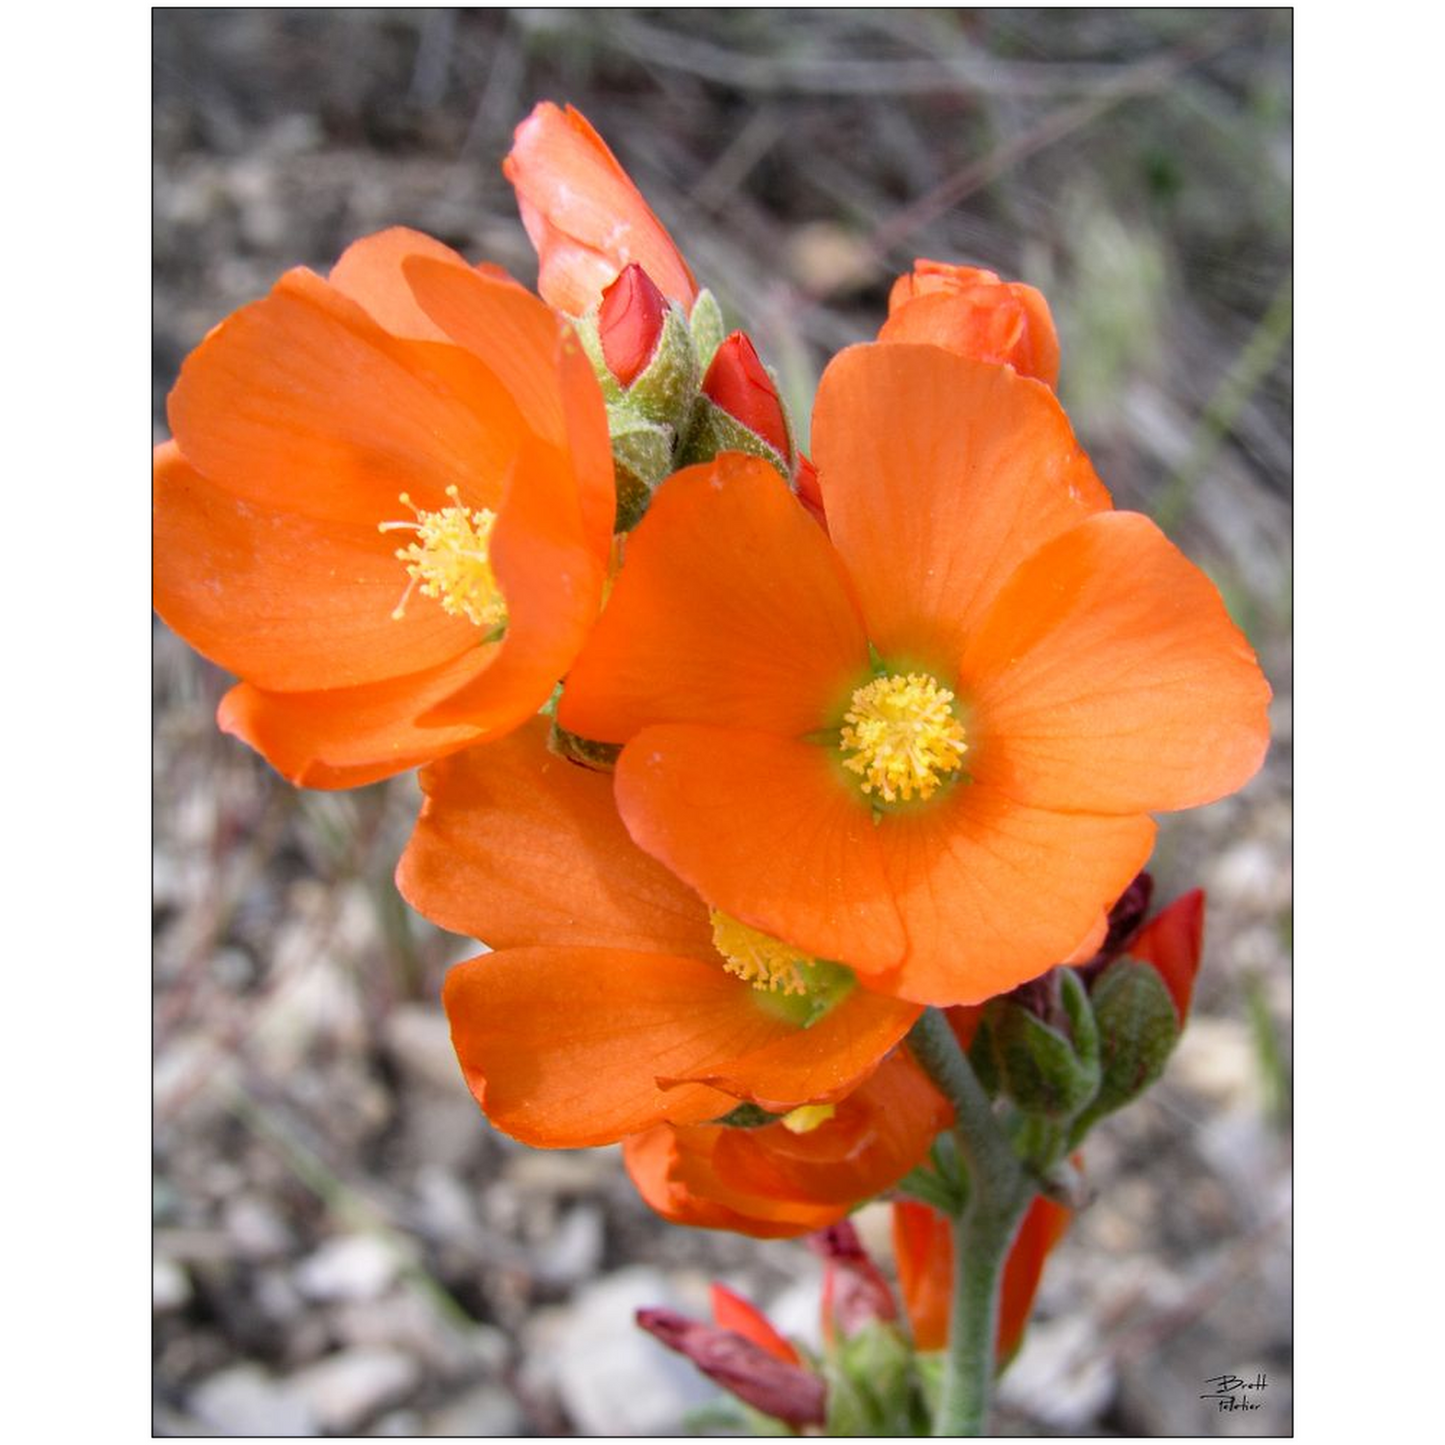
(1232, 1392)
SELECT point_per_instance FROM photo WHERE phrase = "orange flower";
(927, 750)
(923, 1251)
(388, 508)
(615, 1000)
(800, 1174)
(584, 215)
(970, 311)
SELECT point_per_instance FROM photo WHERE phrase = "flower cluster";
(735, 759)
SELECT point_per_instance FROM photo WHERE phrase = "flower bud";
(739, 410)
(1044, 1045)
(629, 323)
(786, 1392)
(855, 1293)
(1138, 1028)
(972, 312)
(738, 382)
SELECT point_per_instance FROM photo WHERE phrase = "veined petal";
(552, 581)
(301, 400)
(540, 361)
(563, 1047)
(992, 893)
(346, 736)
(730, 611)
(657, 1161)
(286, 600)
(877, 1134)
(370, 272)
(517, 846)
(766, 829)
(940, 474)
(1108, 677)
(819, 1064)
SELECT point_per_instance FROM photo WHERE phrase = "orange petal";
(370, 272)
(765, 829)
(564, 1047)
(923, 1254)
(301, 401)
(819, 1064)
(654, 1161)
(1042, 1228)
(285, 600)
(940, 474)
(731, 610)
(584, 215)
(347, 736)
(552, 582)
(877, 1134)
(540, 361)
(516, 846)
(992, 893)
(1108, 677)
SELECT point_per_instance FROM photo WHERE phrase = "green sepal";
(1138, 1028)
(713, 430)
(600, 757)
(641, 457)
(663, 391)
(707, 329)
(587, 334)
(872, 1388)
(1041, 1069)
(747, 1116)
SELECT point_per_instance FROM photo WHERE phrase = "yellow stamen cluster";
(450, 561)
(903, 736)
(759, 959)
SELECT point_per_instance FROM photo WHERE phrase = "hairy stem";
(998, 1195)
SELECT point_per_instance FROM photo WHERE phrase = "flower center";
(760, 959)
(449, 560)
(902, 736)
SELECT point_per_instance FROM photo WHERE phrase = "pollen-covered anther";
(450, 560)
(759, 959)
(902, 736)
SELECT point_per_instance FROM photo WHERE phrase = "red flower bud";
(786, 1392)
(854, 1291)
(629, 322)
(739, 384)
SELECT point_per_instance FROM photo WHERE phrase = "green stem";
(998, 1195)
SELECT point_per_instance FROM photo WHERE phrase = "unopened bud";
(855, 1293)
(738, 383)
(786, 1392)
(1045, 1045)
(739, 410)
(629, 323)
(1138, 1028)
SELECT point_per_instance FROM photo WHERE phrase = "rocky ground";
(342, 1245)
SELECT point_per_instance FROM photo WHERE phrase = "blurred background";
(342, 1244)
